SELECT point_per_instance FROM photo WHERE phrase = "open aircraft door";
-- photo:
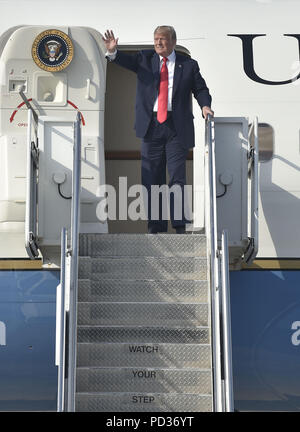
(48, 74)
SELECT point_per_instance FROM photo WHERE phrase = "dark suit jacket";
(187, 81)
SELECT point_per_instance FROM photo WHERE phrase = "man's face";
(163, 43)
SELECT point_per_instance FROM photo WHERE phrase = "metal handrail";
(75, 221)
(31, 245)
(253, 171)
(61, 322)
(211, 223)
(219, 275)
(226, 325)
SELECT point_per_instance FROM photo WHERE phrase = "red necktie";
(163, 93)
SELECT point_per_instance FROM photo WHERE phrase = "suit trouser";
(161, 148)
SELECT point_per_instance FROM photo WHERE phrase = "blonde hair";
(165, 28)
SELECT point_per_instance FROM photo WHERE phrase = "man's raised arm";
(128, 61)
(110, 41)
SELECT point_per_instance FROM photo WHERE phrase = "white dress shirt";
(171, 67)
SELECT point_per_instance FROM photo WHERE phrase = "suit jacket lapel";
(177, 74)
(155, 70)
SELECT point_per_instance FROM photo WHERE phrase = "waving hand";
(110, 41)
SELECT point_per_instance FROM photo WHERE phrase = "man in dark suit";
(164, 119)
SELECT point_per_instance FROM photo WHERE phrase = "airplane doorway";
(122, 148)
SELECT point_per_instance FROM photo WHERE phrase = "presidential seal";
(52, 50)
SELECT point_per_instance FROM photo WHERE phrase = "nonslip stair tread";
(143, 402)
(126, 369)
(141, 258)
(143, 268)
(142, 290)
(167, 314)
(136, 379)
(145, 334)
(113, 354)
(157, 303)
(142, 244)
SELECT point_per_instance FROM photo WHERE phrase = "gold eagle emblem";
(52, 49)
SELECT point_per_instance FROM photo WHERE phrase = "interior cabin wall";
(122, 148)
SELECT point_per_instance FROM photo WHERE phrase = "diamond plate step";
(144, 355)
(121, 334)
(141, 379)
(142, 268)
(166, 245)
(188, 291)
(143, 402)
(158, 314)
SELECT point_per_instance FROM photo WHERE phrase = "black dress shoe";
(152, 230)
(180, 230)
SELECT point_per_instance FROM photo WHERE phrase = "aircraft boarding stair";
(143, 320)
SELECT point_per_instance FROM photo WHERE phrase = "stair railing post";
(61, 323)
(211, 226)
(75, 222)
(31, 188)
(226, 325)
